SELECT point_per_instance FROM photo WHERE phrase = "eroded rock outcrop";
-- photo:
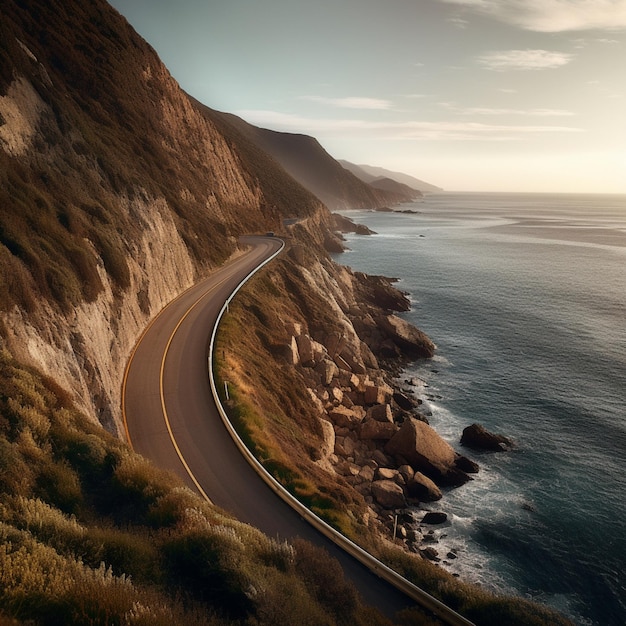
(383, 446)
(344, 224)
(406, 337)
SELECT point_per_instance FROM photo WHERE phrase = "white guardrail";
(420, 596)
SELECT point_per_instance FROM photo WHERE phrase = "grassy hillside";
(91, 533)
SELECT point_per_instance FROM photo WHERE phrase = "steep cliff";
(117, 192)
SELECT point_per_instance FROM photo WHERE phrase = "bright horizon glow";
(469, 95)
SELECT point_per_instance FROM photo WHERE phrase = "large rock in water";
(426, 451)
(406, 336)
(478, 437)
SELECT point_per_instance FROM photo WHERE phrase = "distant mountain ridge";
(371, 174)
(303, 158)
(388, 184)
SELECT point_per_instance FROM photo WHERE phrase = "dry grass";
(91, 533)
(114, 127)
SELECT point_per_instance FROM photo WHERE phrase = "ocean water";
(525, 297)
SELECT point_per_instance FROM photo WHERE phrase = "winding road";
(171, 417)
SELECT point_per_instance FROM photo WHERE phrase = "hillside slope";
(369, 174)
(306, 160)
(116, 192)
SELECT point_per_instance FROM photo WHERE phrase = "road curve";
(171, 418)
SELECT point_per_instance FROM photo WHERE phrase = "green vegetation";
(91, 533)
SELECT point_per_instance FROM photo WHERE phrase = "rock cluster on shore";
(374, 435)
(373, 430)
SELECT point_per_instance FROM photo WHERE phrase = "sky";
(469, 95)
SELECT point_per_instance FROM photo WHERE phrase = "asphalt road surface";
(171, 418)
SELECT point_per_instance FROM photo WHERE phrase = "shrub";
(325, 580)
(44, 522)
(136, 485)
(133, 553)
(169, 509)
(59, 484)
(207, 565)
(281, 602)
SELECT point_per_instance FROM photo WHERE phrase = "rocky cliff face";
(319, 379)
(117, 192)
(86, 350)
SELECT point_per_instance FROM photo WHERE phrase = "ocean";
(525, 297)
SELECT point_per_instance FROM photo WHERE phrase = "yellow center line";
(162, 392)
(161, 380)
(161, 385)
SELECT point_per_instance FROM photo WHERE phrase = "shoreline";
(414, 536)
(513, 538)
(377, 436)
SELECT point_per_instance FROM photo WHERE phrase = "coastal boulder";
(373, 429)
(423, 449)
(404, 402)
(305, 350)
(388, 494)
(435, 517)
(423, 488)
(380, 413)
(327, 446)
(291, 353)
(466, 465)
(479, 438)
(406, 336)
(377, 394)
(327, 370)
(344, 417)
(380, 291)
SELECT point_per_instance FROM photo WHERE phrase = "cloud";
(459, 22)
(504, 60)
(352, 103)
(552, 16)
(583, 43)
(504, 111)
(406, 130)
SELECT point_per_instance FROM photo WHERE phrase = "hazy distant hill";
(370, 174)
(388, 184)
(306, 160)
